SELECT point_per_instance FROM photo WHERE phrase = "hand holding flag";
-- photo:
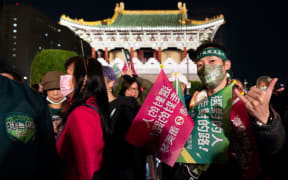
(128, 67)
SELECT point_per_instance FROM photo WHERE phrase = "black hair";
(95, 86)
(35, 87)
(70, 61)
(16, 76)
(127, 83)
(192, 54)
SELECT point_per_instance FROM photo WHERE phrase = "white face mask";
(52, 102)
(263, 88)
(66, 84)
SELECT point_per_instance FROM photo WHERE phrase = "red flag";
(243, 134)
(162, 124)
(125, 67)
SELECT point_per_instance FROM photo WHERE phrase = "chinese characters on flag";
(162, 124)
(209, 141)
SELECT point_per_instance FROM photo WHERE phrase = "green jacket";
(28, 148)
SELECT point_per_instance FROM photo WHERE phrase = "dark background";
(254, 34)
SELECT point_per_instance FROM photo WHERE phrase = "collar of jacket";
(91, 101)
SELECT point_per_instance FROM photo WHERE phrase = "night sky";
(255, 35)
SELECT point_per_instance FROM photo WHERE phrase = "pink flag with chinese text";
(162, 124)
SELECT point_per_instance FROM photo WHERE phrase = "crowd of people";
(73, 125)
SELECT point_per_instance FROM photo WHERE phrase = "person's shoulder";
(80, 109)
(9, 85)
(84, 111)
(79, 114)
(20, 90)
(124, 104)
(144, 81)
(125, 100)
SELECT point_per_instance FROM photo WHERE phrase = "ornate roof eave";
(196, 25)
(120, 9)
(207, 20)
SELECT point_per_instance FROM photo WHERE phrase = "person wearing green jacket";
(28, 148)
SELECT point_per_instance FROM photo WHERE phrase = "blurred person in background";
(124, 160)
(54, 97)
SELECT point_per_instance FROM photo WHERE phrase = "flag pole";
(177, 81)
(125, 58)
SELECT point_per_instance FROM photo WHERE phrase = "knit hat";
(51, 80)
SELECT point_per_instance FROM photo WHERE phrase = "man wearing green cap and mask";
(212, 69)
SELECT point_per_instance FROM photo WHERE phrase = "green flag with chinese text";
(178, 89)
(209, 140)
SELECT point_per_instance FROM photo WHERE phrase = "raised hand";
(128, 72)
(257, 101)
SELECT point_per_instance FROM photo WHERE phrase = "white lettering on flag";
(203, 125)
(164, 148)
(169, 106)
(147, 121)
(159, 101)
(204, 140)
(165, 91)
(173, 130)
(164, 117)
(217, 126)
(216, 140)
(157, 128)
(174, 97)
(153, 111)
(169, 139)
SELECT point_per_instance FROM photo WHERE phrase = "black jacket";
(270, 141)
(122, 161)
(272, 146)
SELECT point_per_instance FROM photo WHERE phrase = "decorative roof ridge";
(205, 21)
(148, 12)
(120, 9)
(83, 22)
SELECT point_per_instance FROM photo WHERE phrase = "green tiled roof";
(145, 18)
(142, 20)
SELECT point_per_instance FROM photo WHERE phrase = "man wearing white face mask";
(51, 88)
(263, 82)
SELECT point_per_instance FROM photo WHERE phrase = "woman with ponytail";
(81, 143)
